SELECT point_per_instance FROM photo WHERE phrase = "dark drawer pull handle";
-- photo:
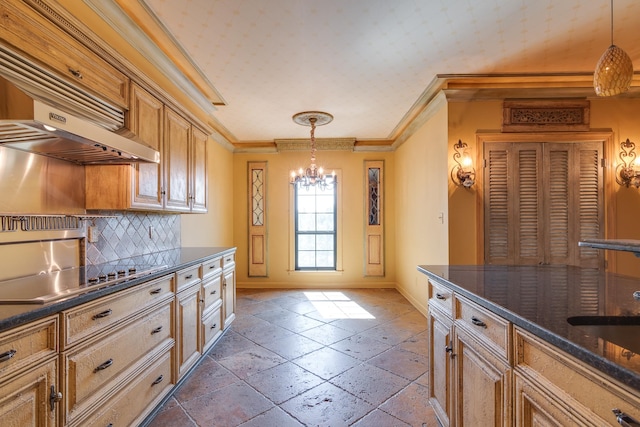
(155, 291)
(75, 73)
(213, 292)
(440, 296)
(211, 267)
(158, 380)
(448, 349)
(624, 419)
(478, 322)
(189, 276)
(103, 314)
(214, 326)
(7, 355)
(156, 330)
(103, 366)
(636, 295)
(110, 425)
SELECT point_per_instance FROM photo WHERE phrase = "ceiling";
(373, 64)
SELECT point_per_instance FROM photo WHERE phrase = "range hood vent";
(44, 114)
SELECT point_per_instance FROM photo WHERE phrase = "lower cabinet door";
(440, 387)
(188, 328)
(534, 408)
(483, 384)
(133, 403)
(211, 327)
(26, 399)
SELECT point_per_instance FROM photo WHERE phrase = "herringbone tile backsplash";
(130, 234)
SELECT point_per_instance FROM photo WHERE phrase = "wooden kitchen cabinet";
(53, 49)
(211, 300)
(177, 184)
(26, 399)
(109, 342)
(229, 289)
(29, 374)
(555, 389)
(188, 320)
(470, 379)
(440, 328)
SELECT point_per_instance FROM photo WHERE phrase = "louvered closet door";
(540, 200)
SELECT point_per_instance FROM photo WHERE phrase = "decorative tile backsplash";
(130, 234)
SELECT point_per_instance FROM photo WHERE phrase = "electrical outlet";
(92, 234)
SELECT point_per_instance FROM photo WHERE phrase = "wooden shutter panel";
(557, 158)
(528, 246)
(591, 204)
(496, 204)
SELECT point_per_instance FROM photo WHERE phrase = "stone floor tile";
(303, 307)
(356, 325)
(251, 361)
(378, 418)
(327, 405)
(326, 334)
(326, 362)
(276, 315)
(265, 332)
(208, 376)
(283, 382)
(230, 344)
(298, 324)
(411, 405)
(228, 406)
(293, 346)
(387, 333)
(361, 347)
(274, 417)
(172, 416)
(400, 362)
(418, 344)
(369, 383)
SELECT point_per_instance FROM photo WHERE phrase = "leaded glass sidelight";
(257, 197)
(374, 196)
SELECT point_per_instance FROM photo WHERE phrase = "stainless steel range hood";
(40, 113)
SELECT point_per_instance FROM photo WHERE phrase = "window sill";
(316, 272)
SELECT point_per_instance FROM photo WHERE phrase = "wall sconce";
(628, 170)
(463, 172)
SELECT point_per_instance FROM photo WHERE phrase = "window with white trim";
(315, 228)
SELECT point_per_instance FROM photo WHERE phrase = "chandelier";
(313, 175)
(614, 70)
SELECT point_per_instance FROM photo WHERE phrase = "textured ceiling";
(368, 62)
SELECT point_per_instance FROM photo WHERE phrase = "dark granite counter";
(165, 262)
(626, 245)
(545, 299)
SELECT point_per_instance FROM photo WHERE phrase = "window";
(315, 228)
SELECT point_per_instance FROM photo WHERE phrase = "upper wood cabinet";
(177, 184)
(24, 29)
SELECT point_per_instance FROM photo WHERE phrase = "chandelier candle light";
(313, 175)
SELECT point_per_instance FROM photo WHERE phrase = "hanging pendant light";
(614, 70)
(313, 175)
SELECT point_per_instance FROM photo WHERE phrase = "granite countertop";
(626, 245)
(541, 299)
(167, 262)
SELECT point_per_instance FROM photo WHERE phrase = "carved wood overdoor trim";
(257, 175)
(374, 218)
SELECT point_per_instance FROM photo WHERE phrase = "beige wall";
(350, 165)
(214, 228)
(421, 205)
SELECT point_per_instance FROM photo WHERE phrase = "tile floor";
(311, 358)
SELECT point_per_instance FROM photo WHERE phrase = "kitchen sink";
(622, 331)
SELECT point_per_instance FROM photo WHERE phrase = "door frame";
(608, 147)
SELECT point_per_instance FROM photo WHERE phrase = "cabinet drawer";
(211, 268)
(568, 384)
(442, 297)
(211, 292)
(25, 345)
(187, 277)
(132, 404)
(91, 368)
(28, 31)
(486, 326)
(92, 318)
(211, 327)
(228, 260)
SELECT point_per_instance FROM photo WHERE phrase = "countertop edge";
(604, 366)
(38, 311)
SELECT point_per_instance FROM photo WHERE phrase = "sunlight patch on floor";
(336, 305)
